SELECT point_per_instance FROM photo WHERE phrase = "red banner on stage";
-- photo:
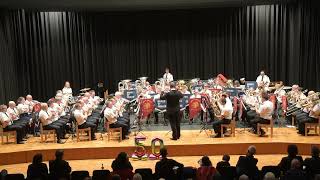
(194, 107)
(284, 103)
(146, 107)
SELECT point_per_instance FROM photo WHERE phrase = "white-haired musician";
(168, 77)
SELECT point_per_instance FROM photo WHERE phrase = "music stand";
(251, 85)
(204, 122)
(160, 106)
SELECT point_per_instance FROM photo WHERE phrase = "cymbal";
(81, 94)
(85, 89)
(143, 78)
(287, 87)
(126, 80)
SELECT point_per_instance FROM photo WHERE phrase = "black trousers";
(18, 128)
(175, 119)
(301, 123)
(257, 120)
(217, 125)
(90, 125)
(57, 128)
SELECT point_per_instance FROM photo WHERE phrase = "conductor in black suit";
(173, 109)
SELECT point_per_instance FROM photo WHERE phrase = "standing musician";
(47, 120)
(263, 113)
(8, 124)
(115, 121)
(81, 119)
(225, 117)
(67, 91)
(264, 79)
(173, 109)
(168, 77)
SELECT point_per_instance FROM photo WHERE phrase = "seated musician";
(263, 113)
(8, 124)
(23, 110)
(312, 117)
(56, 112)
(29, 102)
(47, 120)
(87, 111)
(114, 120)
(225, 117)
(82, 122)
(295, 94)
(14, 114)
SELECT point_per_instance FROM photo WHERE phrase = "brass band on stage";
(215, 101)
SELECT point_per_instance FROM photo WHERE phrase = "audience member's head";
(251, 150)
(115, 177)
(315, 151)
(292, 150)
(295, 164)
(59, 154)
(226, 158)
(37, 159)
(205, 161)
(137, 176)
(122, 157)
(163, 152)
(269, 176)
(317, 177)
(243, 177)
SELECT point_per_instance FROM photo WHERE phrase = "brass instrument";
(309, 102)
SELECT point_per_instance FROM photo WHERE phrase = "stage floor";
(192, 143)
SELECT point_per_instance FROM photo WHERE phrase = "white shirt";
(315, 111)
(45, 117)
(226, 110)
(279, 93)
(5, 119)
(80, 117)
(265, 80)
(22, 108)
(13, 113)
(67, 91)
(54, 113)
(168, 77)
(266, 110)
(110, 115)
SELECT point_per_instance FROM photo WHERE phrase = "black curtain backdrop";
(40, 50)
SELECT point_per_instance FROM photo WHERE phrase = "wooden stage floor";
(192, 143)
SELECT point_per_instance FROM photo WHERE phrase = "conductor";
(173, 109)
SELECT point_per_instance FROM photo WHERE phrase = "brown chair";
(7, 134)
(83, 131)
(266, 126)
(45, 134)
(312, 126)
(111, 131)
(232, 126)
